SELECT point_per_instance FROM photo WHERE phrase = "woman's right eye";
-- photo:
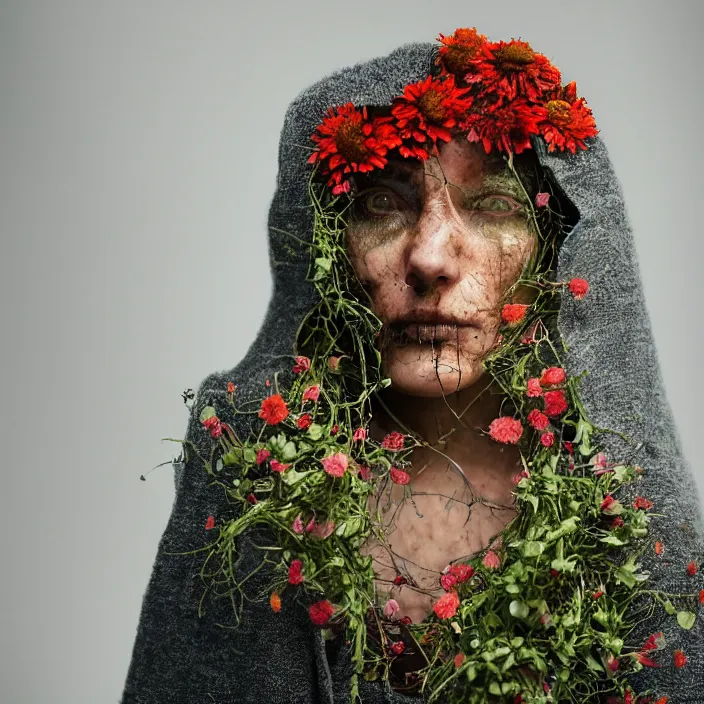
(379, 203)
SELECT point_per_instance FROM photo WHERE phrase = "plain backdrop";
(138, 145)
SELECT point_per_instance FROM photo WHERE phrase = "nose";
(432, 259)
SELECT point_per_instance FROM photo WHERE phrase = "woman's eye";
(380, 203)
(501, 205)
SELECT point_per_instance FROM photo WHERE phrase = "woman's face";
(437, 244)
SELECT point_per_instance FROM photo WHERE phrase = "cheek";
(379, 266)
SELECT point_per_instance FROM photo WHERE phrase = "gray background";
(137, 159)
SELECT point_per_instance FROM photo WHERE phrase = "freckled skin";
(444, 238)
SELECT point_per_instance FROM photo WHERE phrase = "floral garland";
(545, 616)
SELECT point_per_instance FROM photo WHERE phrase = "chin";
(414, 371)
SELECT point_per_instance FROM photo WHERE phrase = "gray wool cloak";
(179, 658)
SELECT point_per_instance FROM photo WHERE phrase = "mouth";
(426, 331)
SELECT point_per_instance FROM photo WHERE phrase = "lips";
(426, 330)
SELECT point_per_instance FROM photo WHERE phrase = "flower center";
(514, 57)
(559, 112)
(430, 104)
(349, 141)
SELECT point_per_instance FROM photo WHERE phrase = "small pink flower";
(359, 434)
(390, 608)
(547, 439)
(491, 560)
(277, 466)
(297, 525)
(364, 472)
(538, 419)
(398, 476)
(462, 572)
(335, 465)
(312, 393)
(541, 199)
(263, 455)
(310, 526)
(506, 429)
(302, 365)
(448, 580)
(534, 388)
(525, 474)
(323, 530)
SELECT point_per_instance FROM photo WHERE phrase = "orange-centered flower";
(459, 49)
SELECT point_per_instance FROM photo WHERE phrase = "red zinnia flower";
(295, 572)
(213, 425)
(578, 287)
(210, 523)
(462, 572)
(598, 594)
(513, 312)
(569, 447)
(398, 476)
(555, 403)
(552, 376)
(427, 111)
(568, 120)
(349, 142)
(399, 580)
(263, 455)
(273, 409)
(538, 419)
(617, 523)
(491, 560)
(533, 387)
(448, 581)
(302, 365)
(393, 441)
(642, 502)
(320, 612)
(547, 439)
(680, 659)
(335, 465)
(506, 429)
(446, 605)
(312, 393)
(692, 569)
(506, 127)
(277, 466)
(512, 69)
(305, 421)
(459, 49)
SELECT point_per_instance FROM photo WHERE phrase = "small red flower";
(568, 121)
(279, 467)
(554, 573)
(459, 659)
(302, 365)
(608, 502)
(391, 608)
(426, 112)
(491, 560)
(364, 473)
(335, 465)
(305, 421)
(230, 387)
(446, 606)
(541, 199)
(320, 612)
(578, 288)
(552, 376)
(513, 312)
(506, 429)
(295, 572)
(214, 426)
(534, 388)
(538, 419)
(263, 455)
(512, 69)
(701, 596)
(612, 662)
(398, 476)
(252, 499)
(679, 658)
(658, 547)
(297, 525)
(555, 403)
(210, 523)
(400, 580)
(273, 409)
(348, 142)
(462, 572)
(397, 647)
(597, 594)
(547, 439)
(459, 49)
(359, 434)
(448, 581)
(642, 503)
(275, 602)
(569, 447)
(617, 523)
(692, 569)
(312, 393)
(335, 429)
(654, 642)
(393, 441)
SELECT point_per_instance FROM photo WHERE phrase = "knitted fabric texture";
(181, 658)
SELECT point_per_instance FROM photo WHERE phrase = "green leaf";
(207, 412)
(669, 608)
(686, 619)
(291, 476)
(533, 548)
(513, 588)
(613, 540)
(289, 451)
(250, 456)
(518, 609)
(315, 431)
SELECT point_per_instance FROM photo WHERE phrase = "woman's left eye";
(501, 205)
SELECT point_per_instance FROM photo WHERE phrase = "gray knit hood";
(179, 657)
